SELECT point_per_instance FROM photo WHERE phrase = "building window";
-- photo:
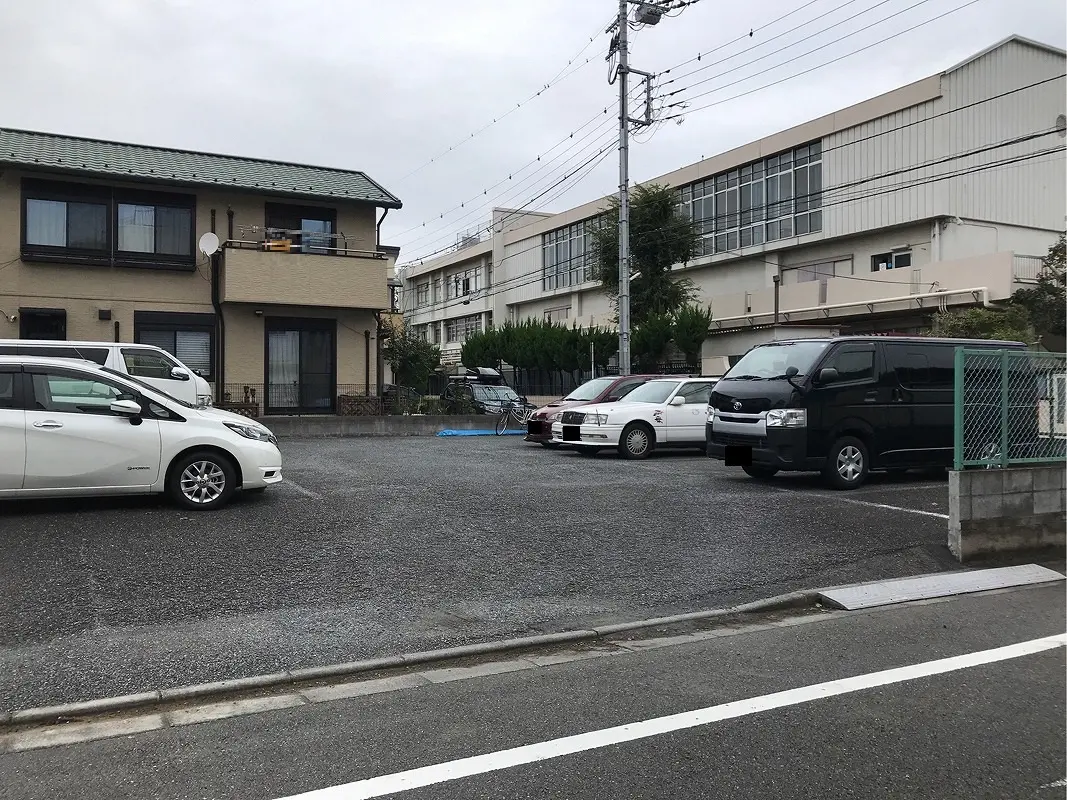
(157, 230)
(43, 323)
(437, 290)
(190, 338)
(567, 257)
(422, 294)
(895, 260)
(435, 329)
(310, 229)
(459, 328)
(462, 284)
(55, 223)
(775, 198)
(822, 271)
(558, 314)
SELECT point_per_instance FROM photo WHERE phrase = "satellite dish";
(209, 244)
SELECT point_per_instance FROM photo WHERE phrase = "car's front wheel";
(203, 480)
(637, 440)
(848, 464)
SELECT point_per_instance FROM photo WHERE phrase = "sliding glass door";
(301, 366)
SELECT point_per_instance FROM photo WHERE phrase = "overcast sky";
(384, 86)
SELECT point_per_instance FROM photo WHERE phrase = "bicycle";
(512, 411)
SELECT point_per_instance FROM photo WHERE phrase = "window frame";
(177, 322)
(849, 347)
(291, 216)
(30, 391)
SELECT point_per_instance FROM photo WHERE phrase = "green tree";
(1046, 302)
(605, 345)
(660, 237)
(649, 341)
(1011, 324)
(411, 358)
(692, 325)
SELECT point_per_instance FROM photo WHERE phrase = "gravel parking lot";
(380, 546)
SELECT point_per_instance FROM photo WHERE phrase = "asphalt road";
(381, 546)
(990, 728)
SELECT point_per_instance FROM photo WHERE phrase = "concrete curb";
(142, 700)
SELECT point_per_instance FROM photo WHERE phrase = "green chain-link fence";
(1010, 408)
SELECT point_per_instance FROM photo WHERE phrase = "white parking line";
(303, 490)
(567, 745)
(884, 505)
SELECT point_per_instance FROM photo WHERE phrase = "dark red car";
(598, 390)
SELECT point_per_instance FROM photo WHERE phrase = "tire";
(184, 486)
(637, 441)
(760, 473)
(848, 464)
(502, 424)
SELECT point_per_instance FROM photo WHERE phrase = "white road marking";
(1056, 784)
(883, 505)
(303, 490)
(567, 745)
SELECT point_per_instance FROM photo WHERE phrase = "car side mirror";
(179, 374)
(126, 408)
(828, 375)
(677, 401)
(613, 398)
(791, 372)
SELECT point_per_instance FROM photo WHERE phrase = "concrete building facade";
(943, 193)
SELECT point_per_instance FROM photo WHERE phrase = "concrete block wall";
(388, 425)
(1005, 510)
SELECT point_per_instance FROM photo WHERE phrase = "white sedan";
(71, 428)
(665, 412)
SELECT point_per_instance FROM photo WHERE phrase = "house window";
(157, 230)
(56, 223)
(567, 255)
(190, 338)
(895, 260)
(43, 323)
(309, 229)
(422, 294)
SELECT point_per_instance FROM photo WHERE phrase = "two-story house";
(106, 241)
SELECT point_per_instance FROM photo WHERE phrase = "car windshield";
(651, 392)
(148, 386)
(495, 394)
(772, 360)
(591, 390)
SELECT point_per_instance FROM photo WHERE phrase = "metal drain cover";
(942, 584)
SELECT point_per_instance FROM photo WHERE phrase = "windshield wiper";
(785, 377)
(744, 378)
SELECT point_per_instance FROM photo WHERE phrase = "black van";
(842, 406)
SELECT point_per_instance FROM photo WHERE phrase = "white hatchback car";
(72, 428)
(664, 412)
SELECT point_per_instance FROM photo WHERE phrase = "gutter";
(378, 228)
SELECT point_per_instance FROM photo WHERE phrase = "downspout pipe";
(366, 362)
(378, 229)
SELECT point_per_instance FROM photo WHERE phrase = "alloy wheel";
(849, 463)
(637, 441)
(202, 482)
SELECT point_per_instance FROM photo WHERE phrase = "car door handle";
(48, 423)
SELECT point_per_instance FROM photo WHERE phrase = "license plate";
(533, 428)
(572, 433)
(737, 455)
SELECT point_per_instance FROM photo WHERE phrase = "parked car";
(843, 406)
(599, 390)
(153, 365)
(660, 413)
(75, 428)
(481, 390)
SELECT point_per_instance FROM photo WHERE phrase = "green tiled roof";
(163, 165)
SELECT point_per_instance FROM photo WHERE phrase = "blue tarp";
(479, 433)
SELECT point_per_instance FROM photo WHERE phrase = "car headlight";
(553, 417)
(787, 418)
(597, 419)
(253, 432)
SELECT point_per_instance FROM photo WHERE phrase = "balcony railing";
(280, 240)
(1027, 268)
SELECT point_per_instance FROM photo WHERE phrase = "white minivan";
(153, 365)
(70, 428)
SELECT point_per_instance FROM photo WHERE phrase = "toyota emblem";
(737, 405)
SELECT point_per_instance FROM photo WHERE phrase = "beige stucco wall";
(254, 276)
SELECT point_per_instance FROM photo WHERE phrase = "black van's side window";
(853, 364)
(921, 367)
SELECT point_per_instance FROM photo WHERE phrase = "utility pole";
(624, 193)
(648, 13)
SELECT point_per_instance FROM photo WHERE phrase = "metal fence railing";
(1010, 408)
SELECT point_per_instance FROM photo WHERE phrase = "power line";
(537, 275)
(561, 76)
(806, 71)
(779, 36)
